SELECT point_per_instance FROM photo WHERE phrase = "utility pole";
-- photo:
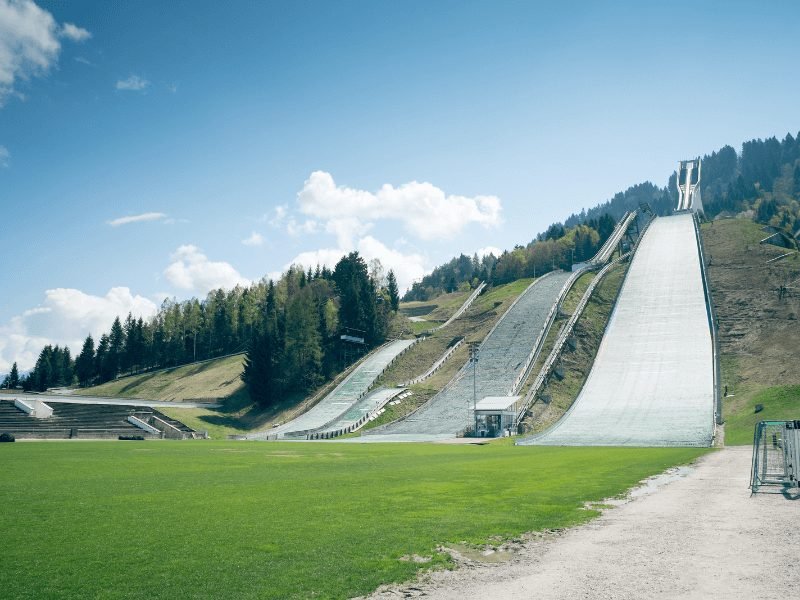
(474, 349)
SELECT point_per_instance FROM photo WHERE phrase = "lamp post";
(474, 349)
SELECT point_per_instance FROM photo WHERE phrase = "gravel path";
(700, 536)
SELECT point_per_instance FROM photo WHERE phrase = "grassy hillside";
(779, 404)
(758, 327)
(280, 520)
(437, 310)
(207, 380)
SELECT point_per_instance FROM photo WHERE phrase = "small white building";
(495, 415)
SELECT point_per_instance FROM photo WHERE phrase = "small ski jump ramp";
(652, 382)
(347, 394)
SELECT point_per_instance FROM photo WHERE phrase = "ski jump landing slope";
(502, 355)
(343, 397)
(652, 381)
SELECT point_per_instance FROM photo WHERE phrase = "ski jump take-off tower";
(689, 186)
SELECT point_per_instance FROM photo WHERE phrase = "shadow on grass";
(240, 412)
(197, 369)
(418, 311)
(136, 382)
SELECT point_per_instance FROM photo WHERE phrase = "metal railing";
(610, 244)
(435, 367)
(467, 303)
(712, 324)
(776, 454)
(544, 332)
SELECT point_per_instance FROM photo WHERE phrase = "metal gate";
(776, 454)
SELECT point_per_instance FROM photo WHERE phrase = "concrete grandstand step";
(95, 420)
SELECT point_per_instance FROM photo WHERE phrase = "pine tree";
(260, 374)
(103, 363)
(42, 375)
(394, 294)
(302, 348)
(13, 377)
(65, 368)
(796, 181)
(85, 367)
(116, 347)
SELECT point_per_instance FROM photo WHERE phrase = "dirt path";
(699, 536)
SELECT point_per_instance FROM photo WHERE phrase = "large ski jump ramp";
(652, 382)
(502, 355)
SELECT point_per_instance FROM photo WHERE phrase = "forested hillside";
(290, 329)
(764, 177)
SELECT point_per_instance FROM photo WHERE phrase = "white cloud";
(307, 227)
(407, 267)
(74, 33)
(487, 250)
(347, 230)
(29, 43)
(426, 211)
(144, 217)
(84, 61)
(277, 216)
(65, 317)
(191, 271)
(133, 83)
(255, 239)
(4, 156)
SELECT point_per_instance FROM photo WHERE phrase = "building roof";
(497, 402)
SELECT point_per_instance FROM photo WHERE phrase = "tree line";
(763, 178)
(296, 322)
(557, 248)
(461, 272)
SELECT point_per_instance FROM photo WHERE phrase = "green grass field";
(279, 520)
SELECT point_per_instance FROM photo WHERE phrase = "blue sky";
(411, 131)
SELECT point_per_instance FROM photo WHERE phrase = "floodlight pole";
(474, 349)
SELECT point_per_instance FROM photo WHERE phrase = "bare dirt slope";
(759, 326)
(699, 536)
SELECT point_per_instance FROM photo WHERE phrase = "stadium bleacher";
(88, 421)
